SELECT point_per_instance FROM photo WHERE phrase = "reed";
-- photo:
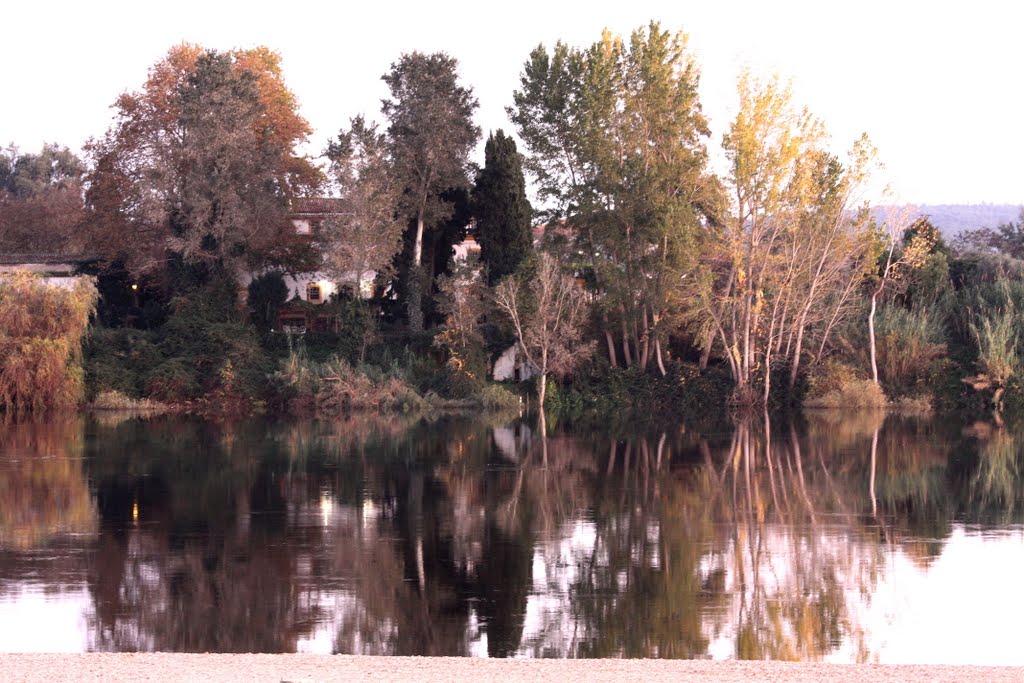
(41, 333)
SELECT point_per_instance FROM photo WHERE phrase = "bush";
(41, 333)
(173, 381)
(497, 397)
(120, 360)
(908, 341)
(857, 393)
(344, 388)
(267, 293)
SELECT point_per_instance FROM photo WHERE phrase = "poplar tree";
(616, 143)
(430, 134)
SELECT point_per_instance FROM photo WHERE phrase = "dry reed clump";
(115, 400)
(838, 386)
(41, 332)
(344, 388)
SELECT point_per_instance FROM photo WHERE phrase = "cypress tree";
(502, 211)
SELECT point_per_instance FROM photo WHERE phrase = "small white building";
(512, 366)
(52, 269)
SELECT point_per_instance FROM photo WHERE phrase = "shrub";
(909, 340)
(120, 360)
(344, 388)
(267, 293)
(858, 393)
(41, 332)
(497, 397)
(173, 381)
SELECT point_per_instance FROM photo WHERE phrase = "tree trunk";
(871, 336)
(611, 348)
(417, 248)
(645, 343)
(705, 353)
(657, 354)
(625, 342)
(414, 299)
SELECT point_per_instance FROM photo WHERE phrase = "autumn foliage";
(41, 331)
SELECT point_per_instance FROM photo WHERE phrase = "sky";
(935, 85)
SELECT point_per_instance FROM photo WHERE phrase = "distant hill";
(951, 219)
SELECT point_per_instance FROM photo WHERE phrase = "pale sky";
(936, 85)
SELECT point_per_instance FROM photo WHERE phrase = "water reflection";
(461, 537)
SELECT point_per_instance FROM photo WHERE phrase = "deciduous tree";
(41, 204)
(616, 142)
(430, 134)
(202, 161)
(547, 314)
(365, 237)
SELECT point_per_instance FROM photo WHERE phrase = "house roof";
(315, 206)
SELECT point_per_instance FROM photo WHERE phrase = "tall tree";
(41, 205)
(795, 247)
(616, 142)
(431, 134)
(365, 237)
(502, 211)
(202, 161)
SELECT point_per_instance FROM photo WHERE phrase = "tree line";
(774, 272)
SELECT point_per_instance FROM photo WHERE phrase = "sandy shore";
(321, 669)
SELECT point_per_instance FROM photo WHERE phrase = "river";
(838, 537)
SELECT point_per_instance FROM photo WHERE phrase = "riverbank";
(29, 668)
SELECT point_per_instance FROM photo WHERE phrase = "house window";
(302, 227)
(313, 294)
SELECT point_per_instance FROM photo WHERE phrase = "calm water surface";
(849, 539)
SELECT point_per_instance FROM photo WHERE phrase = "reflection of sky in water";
(961, 608)
(964, 608)
(37, 620)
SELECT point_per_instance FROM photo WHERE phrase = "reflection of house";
(54, 270)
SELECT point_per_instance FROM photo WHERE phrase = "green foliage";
(173, 381)
(997, 334)
(267, 293)
(685, 390)
(502, 211)
(120, 360)
(909, 341)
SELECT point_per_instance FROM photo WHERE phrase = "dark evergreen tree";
(502, 211)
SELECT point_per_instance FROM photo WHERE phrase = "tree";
(201, 163)
(367, 234)
(616, 142)
(895, 265)
(502, 211)
(790, 256)
(41, 205)
(430, 135)
(1007, 238)
(462, 302)
(547, 314)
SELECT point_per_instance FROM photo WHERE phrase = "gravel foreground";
(28, 668)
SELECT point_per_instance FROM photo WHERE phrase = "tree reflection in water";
(459, 536)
